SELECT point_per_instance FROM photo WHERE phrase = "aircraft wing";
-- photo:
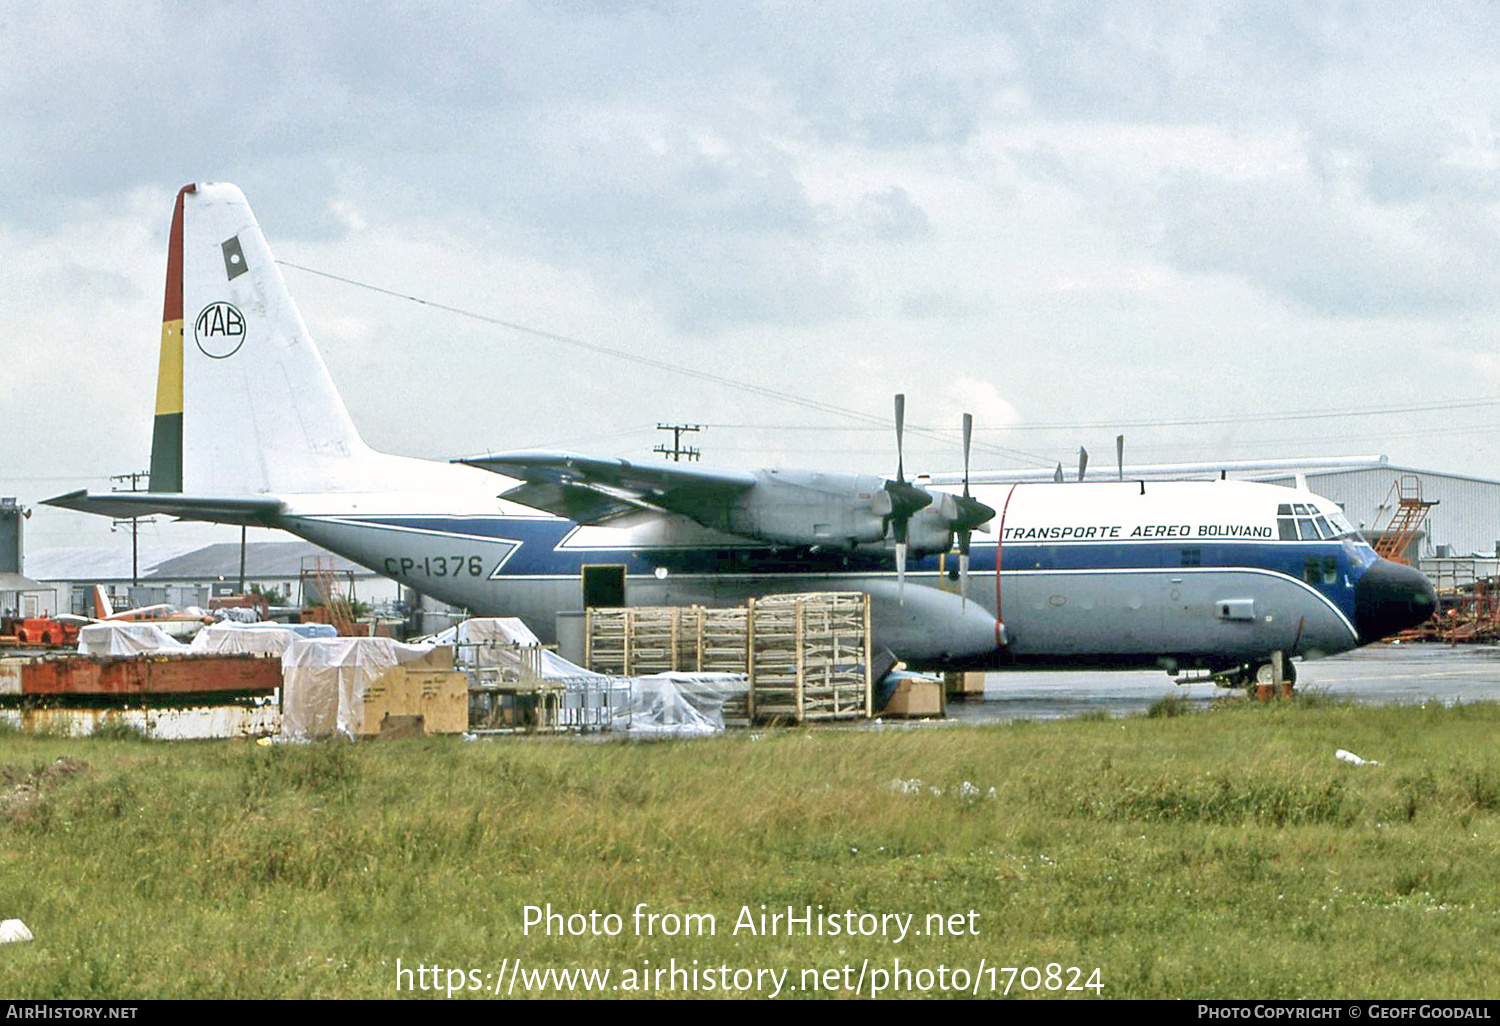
(590, 490)
(253, 511)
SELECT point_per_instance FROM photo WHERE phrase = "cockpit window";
(1306, 522)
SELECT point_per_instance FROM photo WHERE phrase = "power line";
(1379, 411)
(646, 361)
(678, 451)
(1099, 425)
(871, 422)
(135, 477)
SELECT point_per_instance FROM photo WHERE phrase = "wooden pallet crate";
(641, 640)
(807, 656)
(810, 656)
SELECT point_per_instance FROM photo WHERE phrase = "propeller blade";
(964, 538)
(965, 515)
(914, 499)
(1083, 461)
(1057, 475)
(906, 499)
(968, 437)
(900, 423)
(1120, 454)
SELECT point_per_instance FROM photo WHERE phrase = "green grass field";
(1217, 854)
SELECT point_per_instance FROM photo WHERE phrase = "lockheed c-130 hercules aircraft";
(1186, 575)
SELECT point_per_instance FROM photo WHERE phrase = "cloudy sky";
(1229, 231)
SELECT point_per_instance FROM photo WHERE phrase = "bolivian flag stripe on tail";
(166, 434)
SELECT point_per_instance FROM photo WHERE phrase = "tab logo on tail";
(219, 330)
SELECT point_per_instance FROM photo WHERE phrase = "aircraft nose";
(1390, 597)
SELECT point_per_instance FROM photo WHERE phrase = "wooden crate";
(631, 641)
(807, 656)
(440, 698)
(664, 639)
(810, 656)
(724, 640)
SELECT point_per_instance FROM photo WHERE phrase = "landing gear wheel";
(1264, 675)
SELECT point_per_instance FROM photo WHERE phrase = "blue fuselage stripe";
(1326, 565)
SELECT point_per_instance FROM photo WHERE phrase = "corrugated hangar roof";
(86, 563)
(183, 563)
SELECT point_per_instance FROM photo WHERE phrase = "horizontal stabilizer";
(252, 511)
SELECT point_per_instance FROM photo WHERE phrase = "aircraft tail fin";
(103, 608)
(244, 403)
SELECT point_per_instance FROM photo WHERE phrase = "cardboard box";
(968, 684)
(916, 697)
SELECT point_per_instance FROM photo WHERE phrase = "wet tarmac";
(1378, 675)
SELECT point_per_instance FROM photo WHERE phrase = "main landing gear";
(1260, 675)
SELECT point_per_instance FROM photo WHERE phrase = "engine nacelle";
(931, 530)
(799, 507)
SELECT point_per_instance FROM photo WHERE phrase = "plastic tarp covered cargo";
(267, 639)
(126, 639)
(312, 630)
(497, 641)
(324, 682)
(555, 667)
(679, 704)
(496, 630)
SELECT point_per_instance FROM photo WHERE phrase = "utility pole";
(135, 478)
(677, 452)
